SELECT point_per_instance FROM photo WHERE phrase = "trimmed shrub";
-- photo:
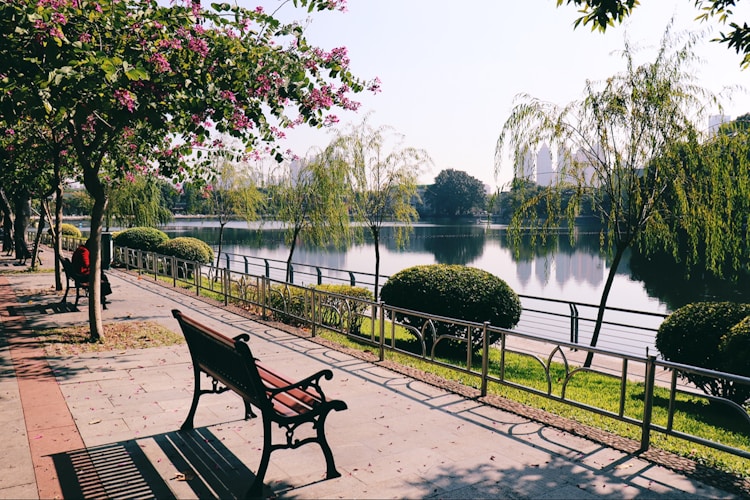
(453, 291)
(707, 335)
(341, 312)
(289, 304)
(187, 248)
(140, 238)
(70, 230)
(735, 346)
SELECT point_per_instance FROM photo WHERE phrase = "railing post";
(648, 402)
(381, 311)
(226, 279)
(485, 358)
(247, 265)
(268, 268)
(263, 294)
(173, 264)
(198, 277)
(226, 258)
(314, 313)
(320, 276)
(291, 273)
(573, 323)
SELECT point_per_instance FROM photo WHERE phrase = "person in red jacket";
(81, 261)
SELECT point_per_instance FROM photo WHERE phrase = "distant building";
(716, 121)
(545, 175)
(526, 169)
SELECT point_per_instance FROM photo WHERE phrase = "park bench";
(80, 281)
(232, 367)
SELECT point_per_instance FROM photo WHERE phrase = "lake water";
(555, 271)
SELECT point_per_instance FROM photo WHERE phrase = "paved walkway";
(105, 425)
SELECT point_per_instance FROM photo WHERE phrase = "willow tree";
(617, 146)
(139, 83)
(137, 201)
(311, 205)
(232, 194)
(382, 180)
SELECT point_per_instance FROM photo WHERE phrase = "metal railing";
(644, 391)
(632, 331)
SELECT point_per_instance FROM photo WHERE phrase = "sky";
(451, 70)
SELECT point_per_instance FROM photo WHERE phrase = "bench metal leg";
(256, 489)
(331, 471)
(65, 296)
(188, 424)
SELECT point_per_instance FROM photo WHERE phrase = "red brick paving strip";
(49, 424)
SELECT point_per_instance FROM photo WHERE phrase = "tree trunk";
(95, 276)
(376, 240)
(292, 246)
(8, 221)
(221, 241)
(22, 221)
(620, 250)
(38, 238)
(57, 234)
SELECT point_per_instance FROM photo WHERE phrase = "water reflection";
(554, 268)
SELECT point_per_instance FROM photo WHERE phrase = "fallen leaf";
(95, 421)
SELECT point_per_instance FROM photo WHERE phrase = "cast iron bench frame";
(80, 282)
(231, 366)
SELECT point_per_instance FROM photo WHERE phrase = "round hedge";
(140, 238)
(453, 291)
(70, 230)
(735, 346)
(708, 335)
(187, 248)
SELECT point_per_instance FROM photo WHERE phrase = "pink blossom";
(320, 98)
(125, 98)
(240, 121)
(161, 64)
(59, 18)
(374, 86)
(84, 37)
(259, 9)
(228, 95)
(199, 46)
(171, 43)
(330, 120)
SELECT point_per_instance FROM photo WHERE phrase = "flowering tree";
(141, 87)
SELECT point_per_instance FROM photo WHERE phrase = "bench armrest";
(313, 381)
(244, 337)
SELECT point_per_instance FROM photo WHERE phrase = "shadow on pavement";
(123, 469)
